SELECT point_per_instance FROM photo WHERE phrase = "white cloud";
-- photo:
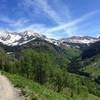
(45, 7)
(19, 23)
(49, 11)
(12, 22)
(72, 23)
(66, 25)
(40, 28)
(56, 15)
(6, 19)
(52, 13)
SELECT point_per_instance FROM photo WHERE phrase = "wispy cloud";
(59, 15)
(19, 23)
(50, 12)
(12, 22)
(44, 6)
(56, 16)
(64, 24)
(40, 28)
(72, 23)
(6, 19)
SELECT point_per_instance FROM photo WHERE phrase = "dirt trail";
(7, 91)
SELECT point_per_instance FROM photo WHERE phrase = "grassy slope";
(93, 68)
(92, 97)
(34, 91)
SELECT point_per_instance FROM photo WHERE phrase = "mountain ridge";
(20, 38)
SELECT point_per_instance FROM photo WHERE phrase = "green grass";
(92, 97)
(94, 67)
(34, 91)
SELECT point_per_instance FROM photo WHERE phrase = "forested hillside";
(66, 71)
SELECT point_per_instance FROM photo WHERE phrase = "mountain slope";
(81, 40)
(43, 61)
(34, 91)
(14, 38)
(92, 50)
(88, 64)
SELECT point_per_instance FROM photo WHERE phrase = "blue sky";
(54, 18)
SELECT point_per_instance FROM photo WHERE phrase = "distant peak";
(80, 39)
(98, 36)
(15, 38)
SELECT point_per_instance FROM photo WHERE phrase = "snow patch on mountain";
(9, 38)
(81, 40)
(27, 41)
(53, 41)
(14, 38)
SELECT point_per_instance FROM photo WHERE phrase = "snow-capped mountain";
(8, 38)
(81, 40)
(14, 38)
(98, 36)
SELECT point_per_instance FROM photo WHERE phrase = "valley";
(49, 69)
